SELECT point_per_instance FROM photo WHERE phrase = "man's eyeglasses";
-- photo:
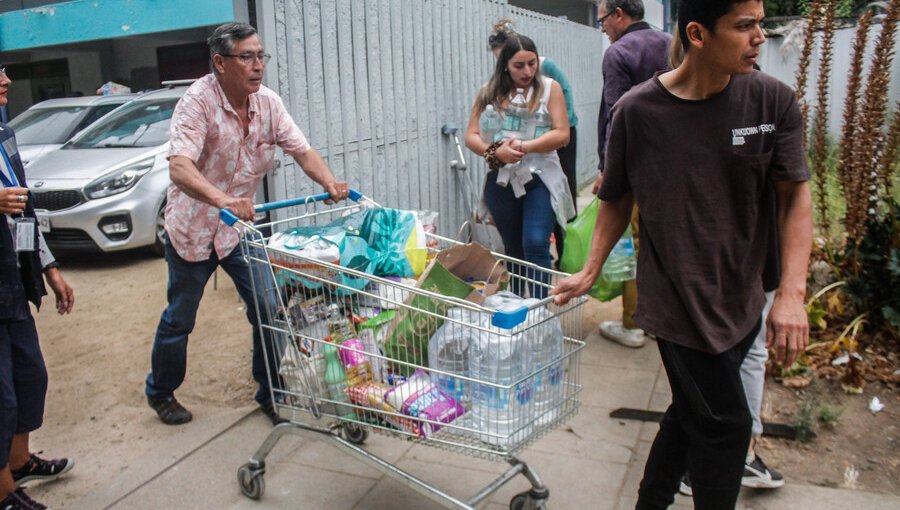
(601, 19)
(2, 69)
(248, 58)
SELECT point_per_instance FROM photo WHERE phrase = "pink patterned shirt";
(206, 129)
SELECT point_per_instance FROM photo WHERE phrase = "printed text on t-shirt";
(738, 134)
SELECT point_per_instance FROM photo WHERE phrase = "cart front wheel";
(252, 481)
(354, 433)
(525, 501)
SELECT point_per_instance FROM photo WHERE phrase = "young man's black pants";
(705, 431)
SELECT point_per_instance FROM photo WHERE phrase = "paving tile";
(573, 483)
(320, 454)
(649, 430)
(614, 387)
(207, 479)
(458, 482)
(659, 401)
(602, 352)
(593, 435)
(463, 459)
(299, 487)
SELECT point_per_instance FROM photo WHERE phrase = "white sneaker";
(613, 330)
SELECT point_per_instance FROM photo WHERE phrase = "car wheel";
(159, 245)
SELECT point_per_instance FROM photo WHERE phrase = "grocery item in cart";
(447, 275)
(501, 359)
(372, 395)
(418, 397)
(398, 240)
(543, 337)
(448, 351)
(305, 378)
(336, 379)
(389, 295)
(340, 328)
(357, 365)
(318, 244)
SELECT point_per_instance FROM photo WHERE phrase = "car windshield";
(47, 125)
(138, 124)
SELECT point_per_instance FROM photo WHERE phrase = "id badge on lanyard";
(25, 227)
(25, 234)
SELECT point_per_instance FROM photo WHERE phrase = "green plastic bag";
(577, 246)
(408, 341)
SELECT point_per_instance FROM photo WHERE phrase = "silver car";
(106, 188)
(49, 124)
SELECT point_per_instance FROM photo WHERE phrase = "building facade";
(58, 49)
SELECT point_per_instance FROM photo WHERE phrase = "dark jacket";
(632, 60)
(24, 280)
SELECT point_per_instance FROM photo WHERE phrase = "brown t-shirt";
(698, 170)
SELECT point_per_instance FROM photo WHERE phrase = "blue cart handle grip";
(230, 219)
(508, 319)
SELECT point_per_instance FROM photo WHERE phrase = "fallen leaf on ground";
(797, 381)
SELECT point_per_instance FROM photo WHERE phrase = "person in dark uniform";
(25, 262)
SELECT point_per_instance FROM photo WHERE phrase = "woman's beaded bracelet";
(490, 156)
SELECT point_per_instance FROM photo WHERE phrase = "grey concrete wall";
(371, 82)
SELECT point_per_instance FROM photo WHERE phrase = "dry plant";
(820, 126)
(851, 100)
(868, 141)
(809, 39)
(889, 159)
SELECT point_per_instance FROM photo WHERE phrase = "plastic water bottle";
(545, 342)
(515, 116)
(370, 345)
(503, 359)
(621, 265)
(448, 350)
(336, 380)
(498, 359)
(340, 329)
(541, 120)
(489, 124)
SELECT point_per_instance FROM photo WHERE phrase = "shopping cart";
(521, 378)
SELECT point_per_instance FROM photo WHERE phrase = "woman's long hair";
(501, 84)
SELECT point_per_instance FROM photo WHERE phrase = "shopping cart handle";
(508, 319)
(230, 219)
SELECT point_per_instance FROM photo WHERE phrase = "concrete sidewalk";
(592, 462)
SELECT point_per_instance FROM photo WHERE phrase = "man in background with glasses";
(636, 54)
(224, 133)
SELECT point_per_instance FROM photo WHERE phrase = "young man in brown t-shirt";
(694, 147)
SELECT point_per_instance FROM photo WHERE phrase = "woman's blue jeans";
(187, 281)
(525, 225)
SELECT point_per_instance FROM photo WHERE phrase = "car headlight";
(119, 181)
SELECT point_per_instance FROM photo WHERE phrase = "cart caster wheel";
(524, 501)
(354, 433)
(252, 482)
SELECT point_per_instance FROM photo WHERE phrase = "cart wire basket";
(349, 352)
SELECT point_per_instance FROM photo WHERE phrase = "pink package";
(350, 358)
(420, 398)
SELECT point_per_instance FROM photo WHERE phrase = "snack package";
(359, 370)
(418, 397)
(372, 395)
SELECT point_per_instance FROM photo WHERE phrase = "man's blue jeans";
(525, 224)
(187, 280)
